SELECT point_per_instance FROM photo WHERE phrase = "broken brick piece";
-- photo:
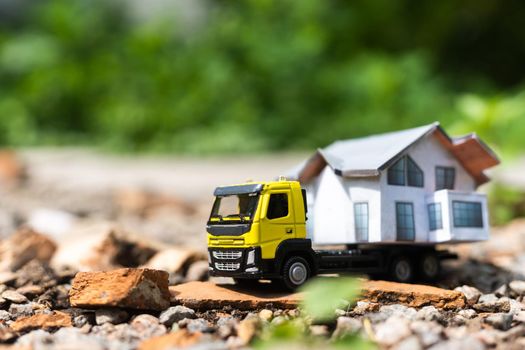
(50, 321)
(142, 289)
(413, 295)
(23, 246)
(179, 339)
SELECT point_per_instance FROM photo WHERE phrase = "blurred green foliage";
(342, 291)
(257, 75)
(317, 309)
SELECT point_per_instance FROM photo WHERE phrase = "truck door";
(278, 222)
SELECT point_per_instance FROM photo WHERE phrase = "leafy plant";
(321, 297)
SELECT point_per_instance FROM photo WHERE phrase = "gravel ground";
(160, 205)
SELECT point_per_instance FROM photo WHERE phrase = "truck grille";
(227, 254)
(227, 266)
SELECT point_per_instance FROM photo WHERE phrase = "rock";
(247, 329)
(31, 290)
(23, 246)
(392, 331)
(266, 315)
(394, 310)
(102, 247)
(175, 314)
(467, 343)
(429, 333)
(114, 316)
(179, 339)
(518, 287)
(7, 335)
(36, 273)
(198, 271)
(413, 295)
(147, 326)
(208, 296)
(520, 317)
(22, 310)
(142, 289)
(429, 313)
(197, 325)
(176, 260)
(14, 297)
(471, 294)
(500, 321)
(410, 343)
(346, 325)
(467, 313)
(7, 277)
(50, 321)
(491, 303)
(226, 325)
(82, 320)
(64, 338)
(4, 316)
(503, 290)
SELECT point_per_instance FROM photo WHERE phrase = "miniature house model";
(416, 185)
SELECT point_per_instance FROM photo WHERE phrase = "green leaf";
(323, 295)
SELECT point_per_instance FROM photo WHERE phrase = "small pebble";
(266, 315)
(14, 297)
(175, 314)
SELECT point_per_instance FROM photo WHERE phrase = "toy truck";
(386, 209)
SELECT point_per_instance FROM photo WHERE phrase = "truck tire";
(295, 273)
(402, 269)
(429, 267)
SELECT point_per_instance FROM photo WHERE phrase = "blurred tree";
(253, 75)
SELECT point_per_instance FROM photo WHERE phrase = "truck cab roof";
(253, 187)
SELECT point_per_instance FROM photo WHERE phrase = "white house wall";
(427, 153)
(331, 210)
(360, 191)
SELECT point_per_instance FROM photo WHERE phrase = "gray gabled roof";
(367, 155)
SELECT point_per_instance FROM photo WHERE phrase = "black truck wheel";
(429, 266)
(402, 269)
(295, 273)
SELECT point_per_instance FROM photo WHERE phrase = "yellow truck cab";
(257, 230)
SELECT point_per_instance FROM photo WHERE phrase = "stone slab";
(208, 295)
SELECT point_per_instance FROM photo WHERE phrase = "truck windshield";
(234, 208)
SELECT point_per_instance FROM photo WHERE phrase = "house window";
(361, 221)
(396, 173)
(434, 216)
(445, 177)
(405, 225)
(405, 172)
(467, 214)
(278, 206)
(414, 173)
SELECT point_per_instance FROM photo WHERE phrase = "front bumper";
(236, 262)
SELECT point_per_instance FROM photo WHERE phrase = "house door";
(405, 226)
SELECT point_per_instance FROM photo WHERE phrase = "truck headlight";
(251, 257)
